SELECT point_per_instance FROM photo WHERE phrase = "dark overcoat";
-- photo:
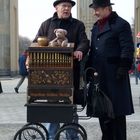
(76, 34)
(108, 47)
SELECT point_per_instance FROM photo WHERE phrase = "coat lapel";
(106, 28)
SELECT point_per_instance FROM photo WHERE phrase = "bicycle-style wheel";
(29, 133)
(77, 126)
(70, 132)
(39, 126)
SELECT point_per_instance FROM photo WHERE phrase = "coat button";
(98, 39)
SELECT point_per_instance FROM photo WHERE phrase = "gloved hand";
(126, 63)
(124, 67)
(122, 72)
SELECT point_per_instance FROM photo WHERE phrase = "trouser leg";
(106, 128)
(20, 81)
(52, 129)
(113, 129)
(72, 134)
(120, 128)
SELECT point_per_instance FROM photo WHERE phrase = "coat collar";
(113, 17)
(111, 20)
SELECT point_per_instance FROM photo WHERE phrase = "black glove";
(124, 66)
(122, 72)
(126, 63)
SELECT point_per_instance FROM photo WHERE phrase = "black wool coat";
(110, 48)
(76, 34)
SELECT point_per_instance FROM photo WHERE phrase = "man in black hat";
(62, 18)
(111, 54)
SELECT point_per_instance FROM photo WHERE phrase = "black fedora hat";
(100, 3)
(60, 1)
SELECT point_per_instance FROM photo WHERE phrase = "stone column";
(8, 37)
(14, 37)
(4, 37)
(137, 17)
(85, 14)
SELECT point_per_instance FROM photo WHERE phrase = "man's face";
(101, 12)
(63, 10)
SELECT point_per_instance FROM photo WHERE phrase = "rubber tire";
(20, 131)
(77, 125)
(57, 136)
(40, 125)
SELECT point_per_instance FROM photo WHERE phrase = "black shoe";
(16, 90)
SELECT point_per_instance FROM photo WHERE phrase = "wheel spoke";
(70, 132)
(29, 133)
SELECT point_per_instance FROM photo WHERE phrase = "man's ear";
(55, 30)
(65, 32)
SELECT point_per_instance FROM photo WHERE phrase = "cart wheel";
(29, 133)
(70, 132)
(39, 126)
(77, 126)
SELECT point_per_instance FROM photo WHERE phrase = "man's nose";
(95, 11)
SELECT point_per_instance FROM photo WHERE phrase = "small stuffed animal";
(60, 39)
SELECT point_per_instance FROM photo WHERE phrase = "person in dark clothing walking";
(111, 54)
(63, 19)
(22, 70)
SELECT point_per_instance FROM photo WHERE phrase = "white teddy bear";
(60, 39)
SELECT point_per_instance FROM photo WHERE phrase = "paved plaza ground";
(13, 112)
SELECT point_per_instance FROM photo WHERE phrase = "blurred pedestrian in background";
(137, 60)
(138, 46)
(22, 69)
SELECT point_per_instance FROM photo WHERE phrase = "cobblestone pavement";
(13, 112)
